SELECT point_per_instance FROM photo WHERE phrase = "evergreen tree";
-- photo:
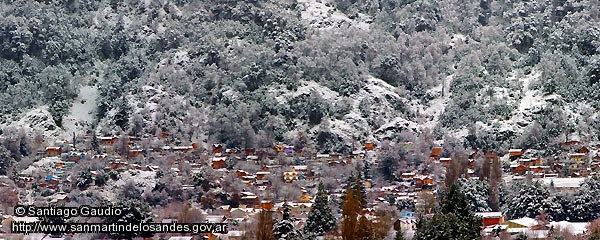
(320, 218)
(122, 115)
(95, 143)
(284, 229)
(367, 170)
(527, 201)
(453, 220)
(477, 193)
(134, 212)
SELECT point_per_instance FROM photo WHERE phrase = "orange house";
(369, 146)
(261, 175)
(219, 162)
(279, 148)
(518, 169)
(423, 181)
(108, 140)
(268, 205)
(515, 152)
(52, 151)
(217, 148)
(491, 218)
(435, 152)
(135, 152)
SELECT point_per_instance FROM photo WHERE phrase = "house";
(108, 141)
(249, 199)
(249, 151)
(300, 168)
(52, 181)
(369, 146)
(252, 158)
(491, 218)
(288, 149)
(423, 182)
(218, 162)
(515, 153)
(435, 152)
(261, 175)
(135, 152)
(409, 175)
(58, 198)
(118, 165)
(8, 219)
(322, 157)
(446, 161)
(290, 176)
(518, 169)
(540, 169)
(527, 162)
(524, 222)
(563, 184)
(75, 157)
(578, 157)
(101, 157)
(183, 149)
(266, 204)
(241, 173)
(217, 148)
(52, 151)
(278, 148)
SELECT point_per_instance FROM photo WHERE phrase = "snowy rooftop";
(489, 214)
(525, 221)
(564, 182)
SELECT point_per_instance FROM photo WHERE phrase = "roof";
(564, 182)
(524, 221)
(489, 214)
(300, 167)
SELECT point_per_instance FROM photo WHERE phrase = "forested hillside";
(306, 72)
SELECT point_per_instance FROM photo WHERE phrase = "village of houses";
(579, 162)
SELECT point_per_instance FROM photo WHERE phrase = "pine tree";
(477, 193)
(320, 218)
(528, 201)
(95, 143)
(134, 212)
(367, 170)
(284, 229)
(453, 220)
(122, 115)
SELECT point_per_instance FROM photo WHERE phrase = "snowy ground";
(81, 112)
(145, 179)
(320, 15)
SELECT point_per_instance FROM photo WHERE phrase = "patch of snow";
(317, 14)
(81, 112)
